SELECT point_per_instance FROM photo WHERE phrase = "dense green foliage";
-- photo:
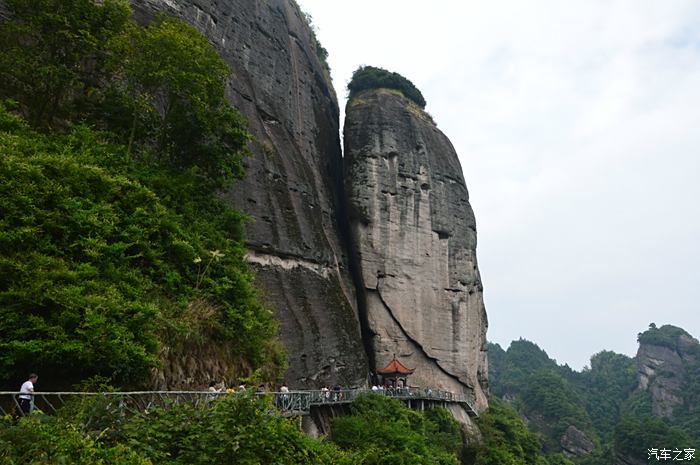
(55, 56)
(384, 431)
(545, 391)
(607, 385)
(369, 77)
(557, 407)
(113, 242)
(634, 436)
(235, 429)
(245, 430)
(665, 336)
(160, 89)
(601, 401)
(507, 440)
(510, 369)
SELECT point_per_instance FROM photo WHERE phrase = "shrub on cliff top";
(665, 336)
(369, 77)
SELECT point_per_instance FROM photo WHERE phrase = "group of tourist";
(332, 394)
(216, 386)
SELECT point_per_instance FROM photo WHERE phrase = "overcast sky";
(577, 124)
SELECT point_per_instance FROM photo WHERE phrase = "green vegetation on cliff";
(665, 336)
(158, 89)
(113, 242)
(369, 77)
(384, 431)
(507, 439)
(238, 428)
(602, 401)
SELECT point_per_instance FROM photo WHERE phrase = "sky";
(577, 125)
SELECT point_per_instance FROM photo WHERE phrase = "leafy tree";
(176, 83)
(46, 440)
(550, 397)
(369, 77)
(79, 247)
(161, 89)
(506, 439)
(635, 436)
(104, 234)
(514, 366)
(98, 261)
(385, 431)
(55, 53)
(236, 429)
(608, 383)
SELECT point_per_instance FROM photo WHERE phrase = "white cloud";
(576, 125)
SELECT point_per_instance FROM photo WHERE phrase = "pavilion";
(395, 374)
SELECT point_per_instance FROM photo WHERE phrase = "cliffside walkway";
(293, 403)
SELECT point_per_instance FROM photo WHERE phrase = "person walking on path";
(26, 392)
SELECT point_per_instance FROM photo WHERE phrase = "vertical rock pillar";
(414, 241)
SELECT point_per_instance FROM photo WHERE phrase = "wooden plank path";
(292, 403)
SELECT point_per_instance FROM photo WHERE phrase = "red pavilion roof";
(395, 368)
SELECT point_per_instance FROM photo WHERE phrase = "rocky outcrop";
(414, 238)
(293, 186)
(575, 443)
(662, 362)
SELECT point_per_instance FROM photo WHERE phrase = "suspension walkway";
(292, 403)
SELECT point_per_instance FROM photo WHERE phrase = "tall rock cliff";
(664, 358)
(293, 184)
(414, 237)
(413, 254)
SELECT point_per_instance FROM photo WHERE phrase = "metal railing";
(288, 403)
(135, 401)
(349, 395)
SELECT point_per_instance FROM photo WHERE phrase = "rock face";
(662, 367)
(575, 443)
(293, 186)
(413, 258)
(414, 237)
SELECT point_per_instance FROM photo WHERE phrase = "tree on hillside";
(55, 53)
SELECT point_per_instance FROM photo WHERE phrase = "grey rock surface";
(575, 443)
(414, 237)
(662, 371)
(293, 187)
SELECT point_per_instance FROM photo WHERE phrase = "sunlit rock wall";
(414, 237)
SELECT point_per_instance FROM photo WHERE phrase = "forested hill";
(613, 411)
